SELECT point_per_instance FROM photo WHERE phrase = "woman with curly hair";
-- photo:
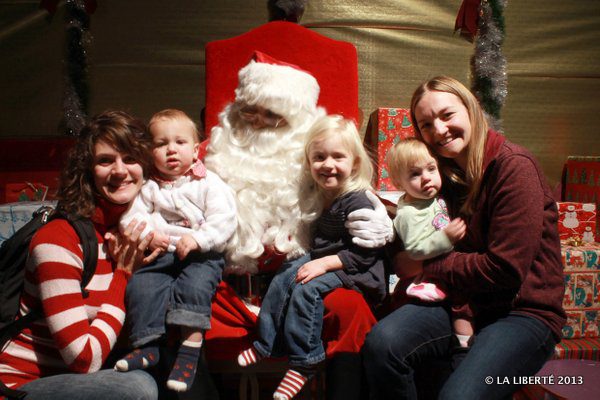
(61, 354)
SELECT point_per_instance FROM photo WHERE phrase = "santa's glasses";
(268, 118)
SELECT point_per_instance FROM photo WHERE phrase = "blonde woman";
(508, 264)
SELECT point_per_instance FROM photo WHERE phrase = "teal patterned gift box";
(582, 290)
(581, 258)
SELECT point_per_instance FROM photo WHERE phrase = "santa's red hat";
(283, 88)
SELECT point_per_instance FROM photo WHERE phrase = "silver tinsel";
(490, 80)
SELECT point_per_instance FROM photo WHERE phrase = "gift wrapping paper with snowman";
(577, 222)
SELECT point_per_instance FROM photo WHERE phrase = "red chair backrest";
(333, 63)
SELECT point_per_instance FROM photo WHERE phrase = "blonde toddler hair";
(361, 177)
(172, 114)
(405, 154)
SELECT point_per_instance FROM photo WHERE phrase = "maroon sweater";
(509, 260)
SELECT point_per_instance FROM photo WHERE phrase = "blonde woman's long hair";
(471, 177)
(361, 177)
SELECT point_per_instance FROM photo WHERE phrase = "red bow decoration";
(467, 19)
(50, 5)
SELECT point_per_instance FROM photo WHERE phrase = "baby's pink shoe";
(425, 291)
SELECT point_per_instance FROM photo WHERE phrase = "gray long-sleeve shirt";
(363, 268)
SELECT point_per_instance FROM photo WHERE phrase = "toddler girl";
(422, 221)
(192, 214)
(337, 173)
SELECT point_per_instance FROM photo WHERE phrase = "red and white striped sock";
(248, 357)
(290, 385)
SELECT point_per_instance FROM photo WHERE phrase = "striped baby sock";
(290, 385)
(248, 357)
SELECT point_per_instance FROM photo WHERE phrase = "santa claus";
(257, 150)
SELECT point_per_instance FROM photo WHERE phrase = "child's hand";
(456, 230)
(310, 270)
(159, 241)
(186, 244)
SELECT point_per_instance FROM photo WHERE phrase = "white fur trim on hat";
(284, 90)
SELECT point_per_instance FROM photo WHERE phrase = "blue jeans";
(101, 385)
(172, 292)
(291, 315)
(515, 345)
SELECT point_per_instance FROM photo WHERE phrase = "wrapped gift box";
(581, 324)
(14, 215)
(577, 221)
(584, 258)
(590, 323)
(34, 160)
(583, 349)
(581, 182)
(386, 127)
(26, 191)
(572, 328)
(582, 290)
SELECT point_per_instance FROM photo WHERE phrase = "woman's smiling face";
(445, 126)
(118, 177)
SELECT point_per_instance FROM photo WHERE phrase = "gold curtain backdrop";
(148, 55)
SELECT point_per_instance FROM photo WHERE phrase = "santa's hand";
(371, 228)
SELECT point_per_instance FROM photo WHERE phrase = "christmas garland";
(488, 65)
(76, 95)
(76, 86)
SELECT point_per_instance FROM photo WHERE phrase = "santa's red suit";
(263, 166)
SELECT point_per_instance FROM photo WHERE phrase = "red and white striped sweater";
(76, 334)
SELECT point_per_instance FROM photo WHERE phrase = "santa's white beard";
(263, 168)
